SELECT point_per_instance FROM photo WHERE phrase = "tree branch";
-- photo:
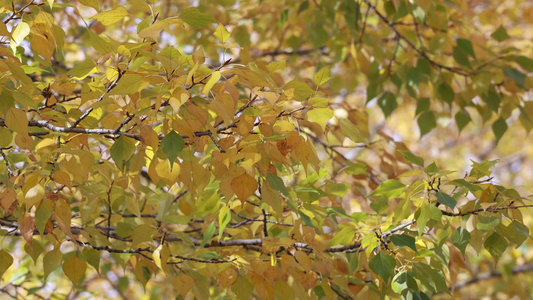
(489, 275)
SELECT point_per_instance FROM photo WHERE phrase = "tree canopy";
(309, 149)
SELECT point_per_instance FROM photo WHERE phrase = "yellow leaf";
(166, 172)
(160, 256)
(34, 196)
(283, 127)
(111, 16)
(178, 98)
(74, 268)
(16, 120)
(222, 34)
(224, 106)
(19, 33)
(212, 80)
(154, 30)
(43, 41)
(44, 143)
(244, 186)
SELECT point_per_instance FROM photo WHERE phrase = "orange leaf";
(244, 186)
(27, 227)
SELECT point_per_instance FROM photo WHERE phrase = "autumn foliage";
(265, 149)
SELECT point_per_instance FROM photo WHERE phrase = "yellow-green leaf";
(74, 268)
(352, 132)
(5, 262)
(16, 120)
(320, 116)
(111, 16)
(127, 85)
(322, 76)
(80, 71)
(90, 3)
(195, 18)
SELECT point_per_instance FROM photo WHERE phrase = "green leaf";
(461, 238)
(422, 105)
(195, 18)
(383, 265)
(492, 99)
(431, 279)
(391, 188)
(446, 93)
(466, 45)
(446, 200)
(122, 150)
(277, 183)
(460, 56)
(426, 122)
(42, 215)
(404, 281)
(499, 127)
(352, 132)
(322, 76)
(496, 245)
(487, 223)
(401, 240)
(318, 35)
(208, 234)
(51, 261)
(410, 157)
(423, 218)
(517, 76)
(305, 218)
(172, 144)
(93, 257)
(525, 62)
(387, 103)
(432, 169)
(520, 232)
(462, 118)
(379, 205)
(500, 34)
